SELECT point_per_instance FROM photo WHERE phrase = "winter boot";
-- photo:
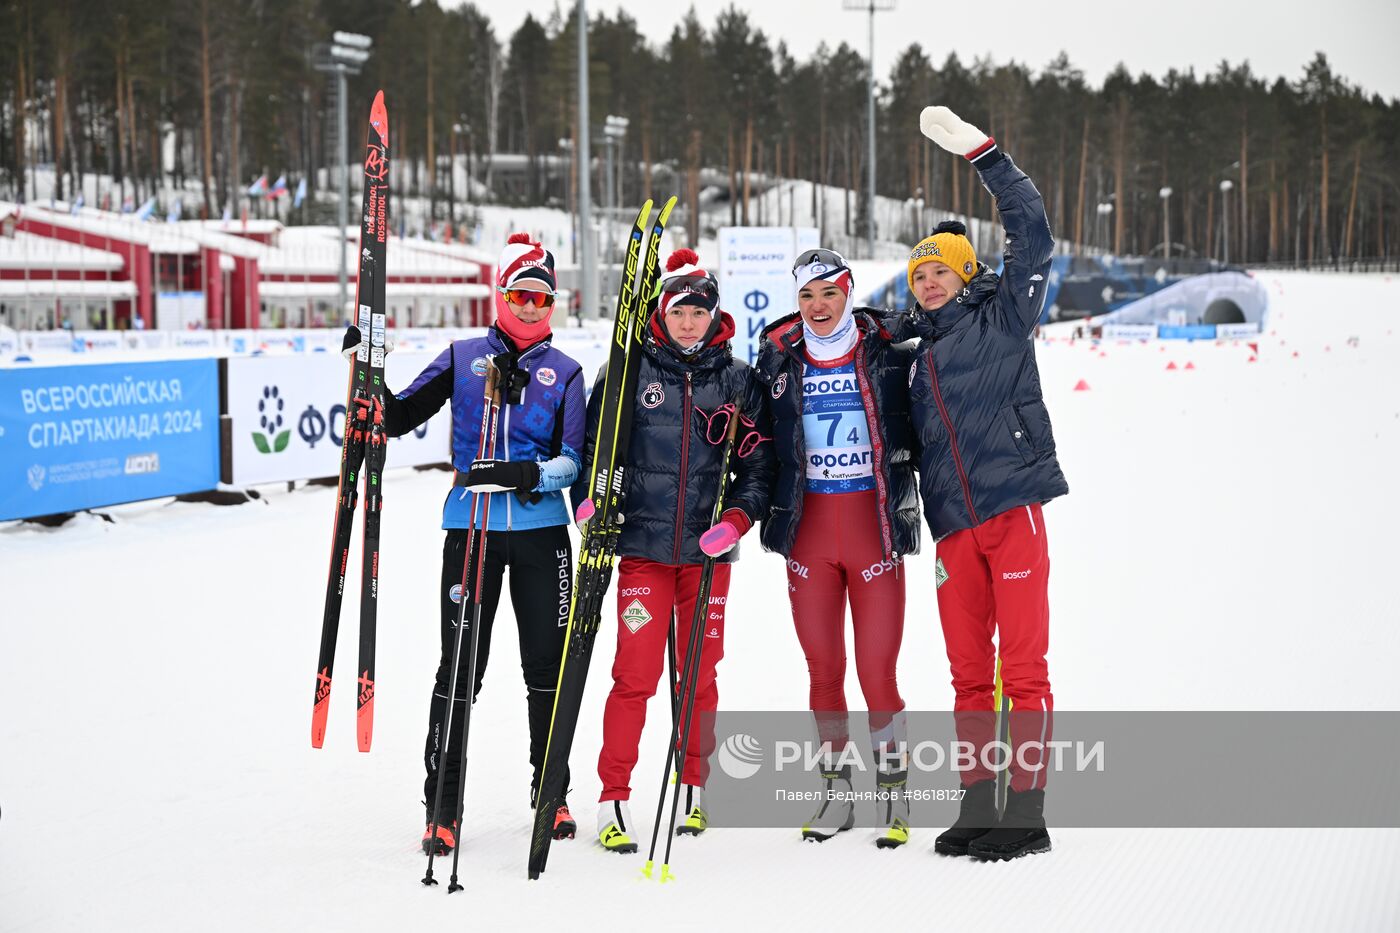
(837, 812)
(564, 825)
(697, 816)
(445, 839)
(977, 817)
(1020, 832)
(894, 808)
(614, 825)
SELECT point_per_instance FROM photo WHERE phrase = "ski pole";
(690, 674)
(671, 666)
(1002, 703)
(474, 541)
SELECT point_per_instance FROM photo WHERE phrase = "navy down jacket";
(883, 373)
(975, 390)
(672, 473)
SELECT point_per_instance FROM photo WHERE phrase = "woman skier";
(844, 514)
(540, 433)
(687, 385)
(988, 465)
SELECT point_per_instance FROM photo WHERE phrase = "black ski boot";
(1020, 832)
(977, 817)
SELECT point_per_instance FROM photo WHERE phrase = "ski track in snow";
(1227, 544)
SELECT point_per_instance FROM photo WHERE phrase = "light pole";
(1165, 194)
(1225, 186)
(614, 130)
(872, 7)
(344, 55)
(587, 260)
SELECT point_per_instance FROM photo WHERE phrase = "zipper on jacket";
(685, 460)
(505, 439)
(877, 447)
(505, 435)
(952, 439)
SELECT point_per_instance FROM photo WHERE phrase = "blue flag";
(301, 193)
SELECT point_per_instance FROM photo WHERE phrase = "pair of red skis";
(363, 447)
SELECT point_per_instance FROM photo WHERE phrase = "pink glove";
(719, 539)
(584, 511)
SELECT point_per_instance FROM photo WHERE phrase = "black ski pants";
(541, 582)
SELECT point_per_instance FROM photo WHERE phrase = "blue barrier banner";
(1186, 331)
(76, 437)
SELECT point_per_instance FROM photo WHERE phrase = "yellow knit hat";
(949, 245)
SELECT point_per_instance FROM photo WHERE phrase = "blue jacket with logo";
(546, 426)
(882, 372)
(975, 388)
(672, 472)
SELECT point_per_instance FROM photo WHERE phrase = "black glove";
(503, 475)
(351, 343)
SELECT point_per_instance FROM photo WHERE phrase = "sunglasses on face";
(520, 296)
(828, 257)
(694, 284)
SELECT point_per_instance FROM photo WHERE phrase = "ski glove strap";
(513, 378)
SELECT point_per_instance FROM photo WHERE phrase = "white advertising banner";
(288, 413)
(180, 310)
(1130, 331)
(755, 278)
(1231, 331)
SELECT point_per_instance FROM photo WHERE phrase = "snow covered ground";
(1227, 544)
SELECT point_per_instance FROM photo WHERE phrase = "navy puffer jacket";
(883, 373)
(672, 472)
(975, 389)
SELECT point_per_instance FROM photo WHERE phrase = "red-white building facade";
(92, 270)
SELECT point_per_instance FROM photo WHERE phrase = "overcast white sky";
(1358, 36)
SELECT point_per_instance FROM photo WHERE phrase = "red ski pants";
(997, 578)
(647, 593)
(839, 555)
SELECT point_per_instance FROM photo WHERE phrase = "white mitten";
(950, 131)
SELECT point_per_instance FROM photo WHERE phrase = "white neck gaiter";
(841, 340)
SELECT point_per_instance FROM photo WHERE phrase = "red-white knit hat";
(525, 264)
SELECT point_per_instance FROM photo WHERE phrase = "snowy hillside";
(1228, 543)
